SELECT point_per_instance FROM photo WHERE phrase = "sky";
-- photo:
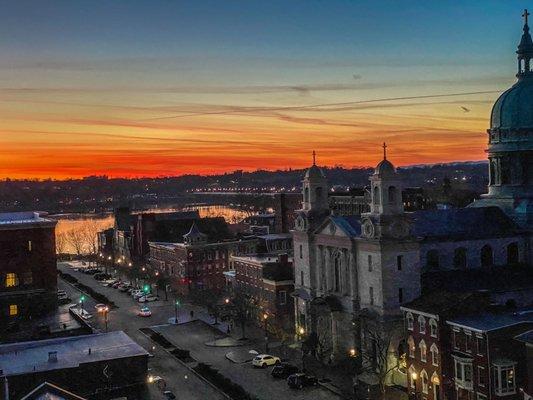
(163, 88)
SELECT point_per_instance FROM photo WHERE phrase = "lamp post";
(82, 299)
(301, 333)
(176, 304)
(265, 319)
(105, 311)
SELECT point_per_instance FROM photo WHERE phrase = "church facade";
(352, 273)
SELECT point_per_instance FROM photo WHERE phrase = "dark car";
(301, 380)
(169, 395)
(284, 370)
(100, 276)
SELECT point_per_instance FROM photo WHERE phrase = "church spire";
(314, 157)
(384, 151)
(525, 49)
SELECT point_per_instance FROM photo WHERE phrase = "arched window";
(412, 376)
(513, 254)
(432, 259)
(411, 345)
(423, 350)
(492, 172)
(318, 193)
(392, 194)
(425, 381)
(433, 327)
(434, 350)
(306, 195)
(337, 272)
(421, 324)
(486, 256)
(376, 194)
(410, 321)
(459, 258)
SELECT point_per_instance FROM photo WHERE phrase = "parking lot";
(190, 335)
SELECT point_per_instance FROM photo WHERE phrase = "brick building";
(269, 279)
(428, 371)
(197, 263)
(488, 363)
(28, 282)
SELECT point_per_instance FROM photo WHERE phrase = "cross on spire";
(384, 151)
(525, 15)
(314, 157)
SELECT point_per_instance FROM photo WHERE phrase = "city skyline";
(161, 88)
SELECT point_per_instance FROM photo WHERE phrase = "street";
(189, 335)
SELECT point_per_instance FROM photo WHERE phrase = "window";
(282, 297)
(369, 263)
(410, 321)
(425, 382)
(455, 338)
(486, 256)
(504, 379)
(371, 294)
(399, 262)
(411, 345)
(463, 373)
(432, 259)
(11, 279)
(481, 379)
(376, 195)
(468, 342)
(392, 194)
(433, 327)
(459, 258)
(301, 252)
(412, 376)
(27, 278)
(512, 254)
(480, 345)
(302, 277)
(434, 354)
(423, 350)
(13, 310)
(29, 245)
(421, 324)
(400, 295)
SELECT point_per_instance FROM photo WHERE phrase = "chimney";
(52, 356)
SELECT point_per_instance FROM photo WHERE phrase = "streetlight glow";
(301, 330)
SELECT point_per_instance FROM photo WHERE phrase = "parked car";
(147, 298)
(284, 370)
(111, 282)
(100, 276)
(100, 307)
(301, 380)
(137, 295)
(145, 312)
(61, 292)
(124, 288)
(63, 300)
(264, 360)
(169, 395)
(117, 284)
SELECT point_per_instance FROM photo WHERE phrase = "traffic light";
(146, 288)
(177, 302)
(82, 298)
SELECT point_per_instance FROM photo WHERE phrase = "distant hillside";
(102, 194)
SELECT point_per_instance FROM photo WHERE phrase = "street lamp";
(176, 305)
(265, 318)
(82, 299)
(105, 311)
(226, 300)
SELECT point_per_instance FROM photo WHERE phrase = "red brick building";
(269, 279)
(429, 371)
(28, 274)
(488, 363)
(196, 263)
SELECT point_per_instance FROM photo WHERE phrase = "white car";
(145, 312)
(136, 292)
(264, 360)
(147, 298)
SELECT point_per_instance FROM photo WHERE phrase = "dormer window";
(410, 321)
(433, 327)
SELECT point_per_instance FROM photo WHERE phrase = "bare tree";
(379, 355)
(75, 238)
(61, 243)
(242, 309)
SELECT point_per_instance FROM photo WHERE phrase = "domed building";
(510, 149)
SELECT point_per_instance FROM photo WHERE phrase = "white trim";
(415, 311)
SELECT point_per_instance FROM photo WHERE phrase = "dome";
(314, 173)
(385, 168)
(514, 108)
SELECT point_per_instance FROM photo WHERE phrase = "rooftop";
(259, 258)
(26, 217)
(491, 321)
(276, 236)
(437, 302)
(28, 357)
(526, 337)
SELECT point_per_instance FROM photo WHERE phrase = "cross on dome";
(384, 151)
(314, 157)
(525, 15)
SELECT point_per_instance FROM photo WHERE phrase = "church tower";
(388, 256)
(510, 138)
(315, 189)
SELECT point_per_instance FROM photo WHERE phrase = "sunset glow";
(138, 90)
